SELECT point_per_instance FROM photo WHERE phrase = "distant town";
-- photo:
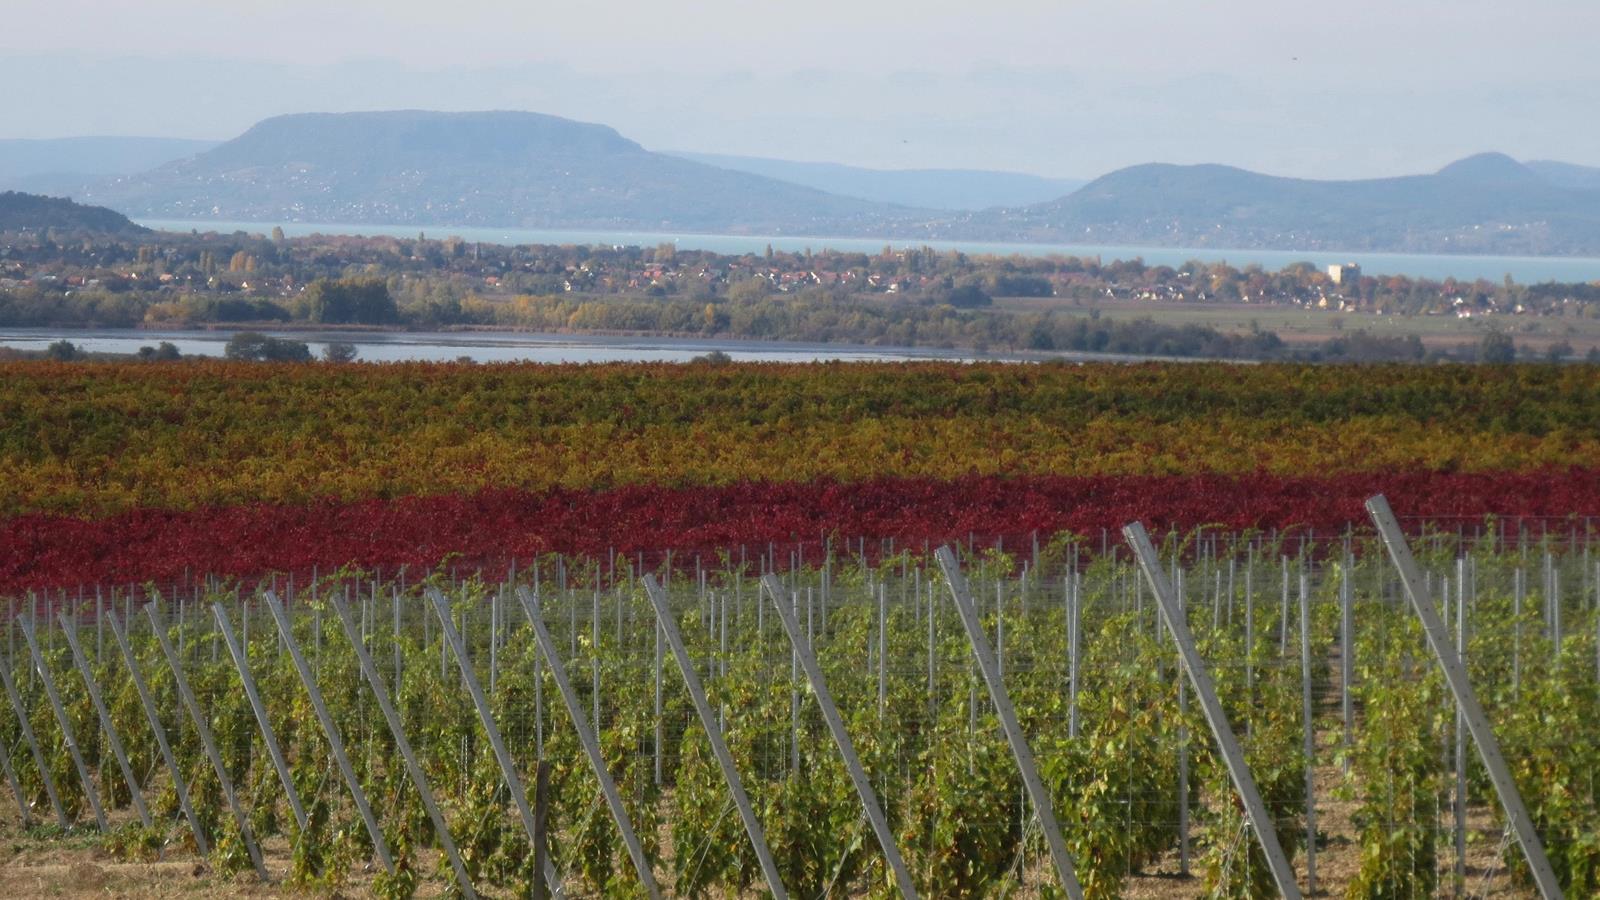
(139, 278)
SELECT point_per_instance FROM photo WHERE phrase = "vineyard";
(379, 733)
(96, 440)
(651, 630)
(135, 472)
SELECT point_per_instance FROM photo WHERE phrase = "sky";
(1063, 88)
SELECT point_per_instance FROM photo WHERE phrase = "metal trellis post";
(1456, 675)
(331, 730)
(24, 816)
(1307, 713)
(719, 747)
(841, 737)
(67, 735)
(591, 746)
(241, 661)
(134, 793)
(32, 741)
(1037, 793)
(419, 780)
(508, 767)
(246, 833)
(179, 786)
(1238, 770)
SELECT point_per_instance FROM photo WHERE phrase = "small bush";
(340, 352)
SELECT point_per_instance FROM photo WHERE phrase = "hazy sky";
(1325, 89)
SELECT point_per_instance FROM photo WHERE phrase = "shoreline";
(1376, 262)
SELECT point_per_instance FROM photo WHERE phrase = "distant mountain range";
(507, 169)
(956, 189)
(1567, 175)
(72, 165)
(1485, 204)
(69, 165)
(513, 169)
(30, 212)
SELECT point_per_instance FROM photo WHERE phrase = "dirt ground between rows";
(77, 868)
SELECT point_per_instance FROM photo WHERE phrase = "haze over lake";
(1524, 269)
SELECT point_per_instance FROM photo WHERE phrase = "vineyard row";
(321, 731)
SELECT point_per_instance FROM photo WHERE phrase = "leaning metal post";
(841, 736)
(1206, 691)
(508, 766)
(331, 730)
(1008, 721)
(1466, 701)
(134, 793)
(591, 746)
(159, 731)
(32, 741)
(207, 742)
(419, 780)
(67, 735)
(241, 661)
(719, 747)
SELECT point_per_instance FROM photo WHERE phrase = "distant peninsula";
(21, 212)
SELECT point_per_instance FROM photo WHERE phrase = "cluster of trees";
(253, 346)
(345, 301)
(33, 307)
(826, 318)
(66, 351)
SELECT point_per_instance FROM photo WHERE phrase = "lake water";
(479, 346)
(1524, 269)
